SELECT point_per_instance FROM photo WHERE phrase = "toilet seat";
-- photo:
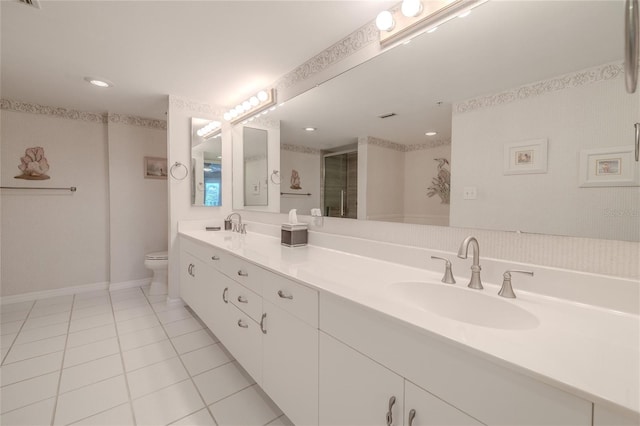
(159, 255)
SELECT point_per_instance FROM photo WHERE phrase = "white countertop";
(589, 351)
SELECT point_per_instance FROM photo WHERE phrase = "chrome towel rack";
(308, 194)
(71, 188)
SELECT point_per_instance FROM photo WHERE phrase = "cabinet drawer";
(246, 300)
(298, 300)
(247, 274)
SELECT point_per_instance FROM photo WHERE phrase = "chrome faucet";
(239, 227)
(507, 289)
(463, 251)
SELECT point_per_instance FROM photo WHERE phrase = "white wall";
(98, 235)
(420, 169)
(479, 137)
(308, 166)
(54, 239)
(138, 206)
(385, 170)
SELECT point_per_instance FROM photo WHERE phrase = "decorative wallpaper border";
(395, 146)
(71, 114)
(89, 117)
(566, 81)
(299, 149)
(344, 48)
(185, 104)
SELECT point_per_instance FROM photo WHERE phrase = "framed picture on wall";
(525, 157)
(613, 166)
(155, 168)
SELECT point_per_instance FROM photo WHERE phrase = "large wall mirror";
(206, 163)
(533, 127)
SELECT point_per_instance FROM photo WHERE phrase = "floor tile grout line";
(66, 341)
(25, 406)
(4, 358)
(31, 378)
(95, 414)
(193, 383)
(124, 367)
(32, 357)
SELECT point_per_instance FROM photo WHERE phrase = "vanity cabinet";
(267, 322)
(355, 390)
(490, 393)
(421, 408)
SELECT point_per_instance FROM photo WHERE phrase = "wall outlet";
(470, 193)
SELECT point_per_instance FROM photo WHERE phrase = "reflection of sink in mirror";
(470, 306)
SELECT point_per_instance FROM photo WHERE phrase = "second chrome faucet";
(463, 251)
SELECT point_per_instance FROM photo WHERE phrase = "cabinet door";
(606, 416)
(422, 408)
(354, 390)
(290, 364)
(191, 270)
(243, 338)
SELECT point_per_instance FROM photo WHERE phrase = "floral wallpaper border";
(185, 104)
(383, 143)
(89, 117)
(567, 81)
(300, 149)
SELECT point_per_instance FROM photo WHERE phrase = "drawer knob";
(224, 295)
(243, 273)
(242, 299)
(392, 402)
(412, 415)
(242, 324)
(215, 257)
(262, 327)
(283, 295)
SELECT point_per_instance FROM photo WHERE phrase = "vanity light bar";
(433, 14)
(256, 104)
(210, 129)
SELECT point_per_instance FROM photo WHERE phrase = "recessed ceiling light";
(431, 133)
(99, 82)
(310, 129)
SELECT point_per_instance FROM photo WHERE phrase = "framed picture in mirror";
(525, 157)
(603, 167)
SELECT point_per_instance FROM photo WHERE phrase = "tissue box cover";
(294, 235)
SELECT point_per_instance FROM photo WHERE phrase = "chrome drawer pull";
(242, 299)
(392, 402)
(242, 324)
(412, 415)
(224, 295)
(284, 296)
(215, 257)
(243, 273)
(264, 330)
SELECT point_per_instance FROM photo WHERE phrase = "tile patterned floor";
(120, 358)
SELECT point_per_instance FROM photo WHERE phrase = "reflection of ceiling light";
(431, 133)
(219, 157)
(310, 129)
(411, 7)
(385, 21)
(432, 30)
(465, 14)
(99, 82)
(207, 169)
(209, 128)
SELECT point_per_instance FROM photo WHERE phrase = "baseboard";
(123, 285)
(65, 291)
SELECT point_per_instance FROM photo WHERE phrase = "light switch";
(470, 193)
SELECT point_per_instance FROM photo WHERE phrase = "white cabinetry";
(605, 416)
(267, 322)
(356, 391)
(421, 408)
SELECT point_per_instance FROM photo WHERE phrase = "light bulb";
(239, 109)
(227, 116)
(385, 21)
(234, 113)
(411, 8)
(216, 124)
(262, 96)
(246, 105)
(254, 101)
(431, 133)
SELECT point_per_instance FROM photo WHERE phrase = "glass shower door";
(341, 185)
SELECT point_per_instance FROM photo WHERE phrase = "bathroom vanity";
(337, 338)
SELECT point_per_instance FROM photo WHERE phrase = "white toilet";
(158, 262)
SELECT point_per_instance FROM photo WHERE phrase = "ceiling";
(216, 52)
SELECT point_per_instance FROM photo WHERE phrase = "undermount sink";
(462, 304)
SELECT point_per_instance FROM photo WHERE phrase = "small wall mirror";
(206, 163)
(254, 143)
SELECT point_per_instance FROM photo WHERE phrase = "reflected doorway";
(340, 184)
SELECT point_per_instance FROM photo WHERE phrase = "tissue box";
(294, 235)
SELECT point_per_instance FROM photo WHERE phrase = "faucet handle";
(507, 289)
(448, 275)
